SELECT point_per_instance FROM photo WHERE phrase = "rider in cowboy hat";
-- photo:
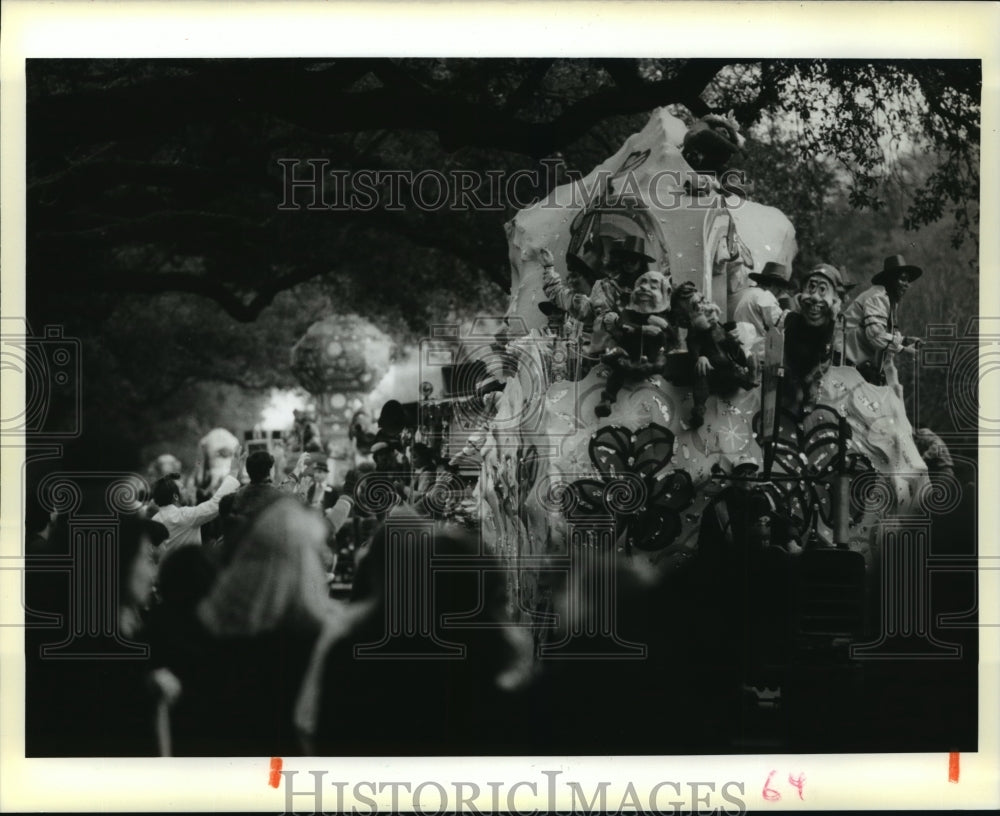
(627, 260)
(758, 305)
(870, 321)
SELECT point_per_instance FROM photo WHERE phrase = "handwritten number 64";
(772, 795)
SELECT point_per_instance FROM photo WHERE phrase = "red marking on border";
(275, 778)
(953, 766)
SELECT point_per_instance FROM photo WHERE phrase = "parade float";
(550, 463)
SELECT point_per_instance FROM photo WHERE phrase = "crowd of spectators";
(226, 595)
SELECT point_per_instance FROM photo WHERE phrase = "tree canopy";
(164, 175)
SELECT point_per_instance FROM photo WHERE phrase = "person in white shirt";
(758, 305)
(184, 523)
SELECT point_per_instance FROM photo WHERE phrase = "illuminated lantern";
(339, 359)
(341, 355)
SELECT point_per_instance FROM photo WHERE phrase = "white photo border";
(929, 30)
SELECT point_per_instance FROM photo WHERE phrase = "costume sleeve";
(301, 487)
(338, 514)
(759, 308)
(603, 297)
(208, 509)
(772, 314)
(612, 323)
(423, 483)
(732, 348)
(875, 324)
(575, 304)
(696, 343)
(671, 336)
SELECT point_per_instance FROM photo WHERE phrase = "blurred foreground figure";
(360, 700)
(243, 668)
(99, 705)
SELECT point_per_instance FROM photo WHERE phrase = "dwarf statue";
(721, 366)
(620, 260)
(810, 335)
(711, 142)
(641, 335)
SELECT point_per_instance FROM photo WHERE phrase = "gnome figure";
(641, 337)
(810, 335)
(711, 142)
(620, 260)
(721, 366)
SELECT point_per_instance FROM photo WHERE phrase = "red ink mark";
(275, 779)
(769, 793)
(773, 795)
(953, 766)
